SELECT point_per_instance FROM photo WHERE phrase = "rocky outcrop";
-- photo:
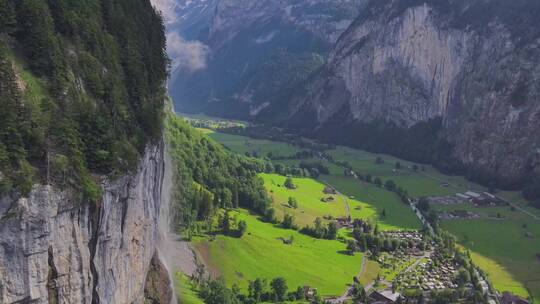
(156, 289)
(53, 250)
(472, 64)
(323, 18)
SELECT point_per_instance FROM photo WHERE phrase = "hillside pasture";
(308, 194)
(399, 216)
(261, 253)
(505, 248)
(186, 293)
(425, 181)
(499, 246)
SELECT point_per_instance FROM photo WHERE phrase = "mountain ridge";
(273, 37)
(405, 63)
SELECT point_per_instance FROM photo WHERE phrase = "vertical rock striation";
(54, 251)
(471, 64)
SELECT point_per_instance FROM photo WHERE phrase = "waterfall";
(166, 244)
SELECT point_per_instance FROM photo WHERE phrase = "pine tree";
(7, 15)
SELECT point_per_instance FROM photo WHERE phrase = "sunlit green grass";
(512, 265)
(261, 254)
(186, 293)
(308, 195)
(399, 216)
(370, 273)
(502, 249)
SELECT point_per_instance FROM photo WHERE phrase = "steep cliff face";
(54, 251)
(258, 51)
(80, 172)
(324, 19)
(471, 64)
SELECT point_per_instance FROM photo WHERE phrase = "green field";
(260, 253)
(308, 195)
(369, 200)
(399, 216)
(500, 247)
(213, 122)
(242, 144)
(185, 292)
(370, 273)
(426, 181)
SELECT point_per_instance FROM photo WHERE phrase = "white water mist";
(166, 241)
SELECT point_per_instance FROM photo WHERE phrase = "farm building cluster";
(458, 214)
(475, 199)
(483, 199)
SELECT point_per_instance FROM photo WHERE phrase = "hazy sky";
(167, 8)
(187, 56)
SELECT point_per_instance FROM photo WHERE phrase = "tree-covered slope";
(81, 90)
(208, 177)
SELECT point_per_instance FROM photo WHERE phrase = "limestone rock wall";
(468, 62)
(54, 251)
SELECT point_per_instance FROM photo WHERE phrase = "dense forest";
(81, 90)
(208, 177)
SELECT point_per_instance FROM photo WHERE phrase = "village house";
(472, 194)
(329, 190)
(384, 297)
(309, 292)
(344, 222)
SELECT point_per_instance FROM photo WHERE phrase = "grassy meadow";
(185, 292)
(308, 195)
(261, 253)
(425, 181)
(499, 246)
(504, 247)
(242, 144)
(371, 271)
(399, 216)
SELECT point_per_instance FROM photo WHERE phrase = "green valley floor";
(505, 248)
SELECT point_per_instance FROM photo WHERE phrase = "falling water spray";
(166, 240)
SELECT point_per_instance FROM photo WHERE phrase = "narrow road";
(421, 217)
(413, 265)
(343, 197)
(534, 216)
(348, 291)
